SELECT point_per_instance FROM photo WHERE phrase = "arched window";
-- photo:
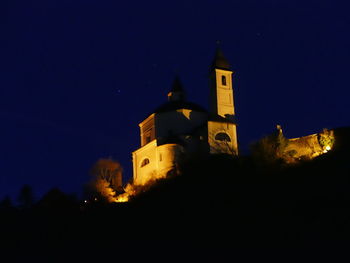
(221, 136)
(223, 80)
(145, 162)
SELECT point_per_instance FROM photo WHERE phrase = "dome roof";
(177, 105)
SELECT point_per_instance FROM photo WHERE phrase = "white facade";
(178, 122)
(152, 162)
(223, 93)
(222, 137)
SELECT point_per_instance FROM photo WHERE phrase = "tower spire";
(220, 61)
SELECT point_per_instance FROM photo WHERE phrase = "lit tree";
(103, 188)
(107, 178)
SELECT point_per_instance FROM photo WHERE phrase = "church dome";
(177, 105)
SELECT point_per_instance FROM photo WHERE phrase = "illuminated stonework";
(309, 147)
(161, 161)
(180, 128)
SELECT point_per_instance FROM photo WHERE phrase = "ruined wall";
(308, 147)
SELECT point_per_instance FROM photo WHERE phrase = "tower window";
(145, 162)
(222, 137)
(223, 80)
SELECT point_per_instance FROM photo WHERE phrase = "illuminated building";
(180, 128)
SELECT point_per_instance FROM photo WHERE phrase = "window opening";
(222, 137)
(145, 162)
(223, 80)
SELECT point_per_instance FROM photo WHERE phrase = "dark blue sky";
(76, 77)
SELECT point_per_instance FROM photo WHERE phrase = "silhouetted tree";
(6, 204)
(26, 198)
(270, 149)
(57, 200)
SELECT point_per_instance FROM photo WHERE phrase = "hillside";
(222, 199)
(220, 202)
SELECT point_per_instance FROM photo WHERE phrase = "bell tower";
(221, 91)
(222, 135)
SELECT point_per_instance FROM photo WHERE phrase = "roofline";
(147, 119)
(223, 69)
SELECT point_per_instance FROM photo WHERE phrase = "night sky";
(76, 77)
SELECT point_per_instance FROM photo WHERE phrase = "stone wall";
(308, 147)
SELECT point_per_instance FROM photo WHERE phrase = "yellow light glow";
(328, 147)
(122, 199)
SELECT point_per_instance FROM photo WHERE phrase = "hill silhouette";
(217, 202)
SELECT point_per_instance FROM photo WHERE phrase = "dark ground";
(219, 208)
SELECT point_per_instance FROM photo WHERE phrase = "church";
(180, 128)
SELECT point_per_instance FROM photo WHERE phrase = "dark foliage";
(26, 197)
(6, 205)
(220, 202)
